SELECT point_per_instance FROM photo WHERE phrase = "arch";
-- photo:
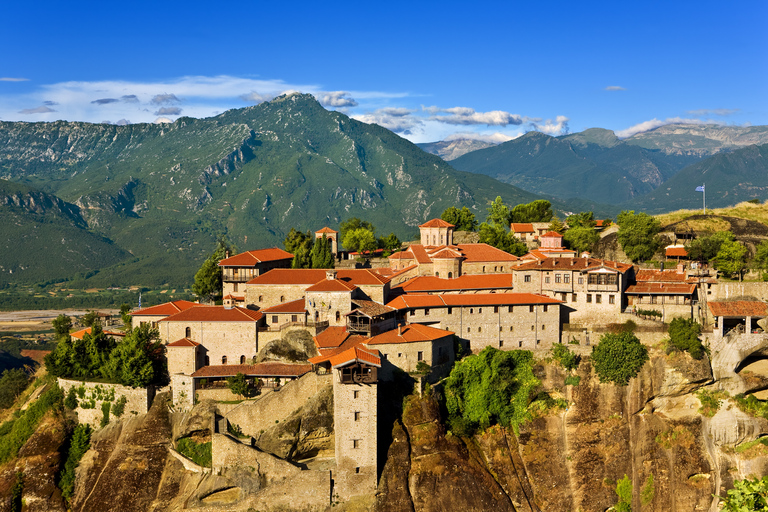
(282, 299)
(223, 359)
(483, 268)
(261, 298)
(188, 332)
(207, 361)
(317, 316)
(437, 274)
(242, 359)
(450, 275)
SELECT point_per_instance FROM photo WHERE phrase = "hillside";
(699, 140)
(163, 193)
(452, 149)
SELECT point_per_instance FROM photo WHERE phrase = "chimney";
(400, 330)
(226, 253)
(680, 268)
(330, 274)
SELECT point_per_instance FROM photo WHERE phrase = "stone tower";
(436, 232)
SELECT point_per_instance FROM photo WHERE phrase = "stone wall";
(504, 327)
(258, 415)
(138, 399)
(220, 339)
(728, 290)
(183, 391)
(329, 306)
(306, 491)
(228, 452)
(437, 354)
(268, 295)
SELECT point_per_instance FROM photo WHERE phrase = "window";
(589, 298)
(494, 269)
(502, 269)
(469, 329)
(530, 309)
(357, 416)
(274, 319)
(234, 287)
(188, 332)
(223, 359)
(581, 280)
(573, 297)
(546, 279)
(598, 298)
(519, 343)
(471, 310)
(356, 443)
(294, 318)
(533, 327)
(510, 309)
(602, 279)
(527, 278)
(479, 310)
(282, 299)
(207, 361)
(338, 316)
(437, 274)
(242, 359)
(426, 311)
(557, 278)
(450, 311)
(399, 354)
(566, 278)
(355, 394)
(357, 470)
(450, 275)
(483, 268)
(611, 299)
(501, 328)
(479, 329)
(543, 327)
(261, 298)
(420, 356)
(501, 343)
(510, 328)
(545, 308)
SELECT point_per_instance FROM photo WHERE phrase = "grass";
(745, 210)
(677, 436)
(710, 401)
(199, 453)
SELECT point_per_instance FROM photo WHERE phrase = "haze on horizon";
(427, 72)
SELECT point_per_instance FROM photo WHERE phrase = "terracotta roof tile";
(551, 234)
(437, 223)
(332, 285)
(419, 253)
(521, 227)
(573, 264)
(678, 251)
(661, 289)
(411, 333)
(310, 276)
(445, 253)
(333, 337)
(82, 332)
(484, 252)
(359, 353)
(252, 258)
(660, 276)
(165, 309)
(370, 308)
(469, 299)
(402, 255)
(738, 308)
(256, 370)
(294, 306)
(326, 230)
(183, 342)
(215, 314)
(464, 282)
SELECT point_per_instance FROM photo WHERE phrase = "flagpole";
(705, 197)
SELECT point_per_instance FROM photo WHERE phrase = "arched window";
(223, 359)
(188, 332)
(437, 274)
(242, 359)
(338, 316)
(282, 299)
(261, 298)
(317, 316)
(483, 268)
(450, 275)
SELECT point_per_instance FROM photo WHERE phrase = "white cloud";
(655, 123)
(714, 112)
(36, 110)
(493, 138)
(398, 120)
(336, 99)
(12, 79)
(162, 120)
(557, 127)
(468, 116)
(255, 97)
(168, 111)
(615, 88)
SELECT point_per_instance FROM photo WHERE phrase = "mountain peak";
(599, 136)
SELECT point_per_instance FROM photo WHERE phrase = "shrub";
(12, 383)
(648, 491)
(624, 492)
(747, 495)
(618, 357)
(565, 357)
(710, 401)
(751, 405)
(238, 385)
(78, 445)
(105, 406)
(199, 453)
(119, 406)
(684, 336)
(423, 367)
(572, 380)
(71, 401)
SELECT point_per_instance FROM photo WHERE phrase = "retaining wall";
(138, 400)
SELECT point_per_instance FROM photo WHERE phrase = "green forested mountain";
(162, 193)
(730, 178)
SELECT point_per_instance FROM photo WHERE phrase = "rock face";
(571, 459)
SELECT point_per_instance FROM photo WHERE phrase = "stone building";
(671, 292)
(153, 314)
(738, 316)
(468, 283)
(501, 320)
(592, 290)
(452, 261)
(331, 235)
(241, 268)
(436, 233)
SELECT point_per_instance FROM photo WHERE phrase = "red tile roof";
(738, 308)
(661, 289)
(333, 337)
(551, 234)
(470, 299)
(445, 253)
(215, 314)
(183, 342)
(295, 306)
(411, 333)
(332, 285)
(268, 369)
(484, 252)
(82, 332)
(419, 253)
(464, 282)
(660, 276)
(252, 258)
(370, 308)
(535, 255)
(573, 264)
(310, 276)
(402, 255)
(521, 227)
(326, 230)
(437, 223)
(356, 354)
(166, 309)
(677, 252)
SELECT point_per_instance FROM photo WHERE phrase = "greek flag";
(700, 188)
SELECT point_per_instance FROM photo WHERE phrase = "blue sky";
(426, 70)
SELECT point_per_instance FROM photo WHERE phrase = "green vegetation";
(624, 492)
(572, 380)
(17, 503)
(492, 387)
(199, 453)
(207, 283)
(618, 357)
(535, 211)
(78, 445)
(105, 407)
(731, 258)
(300, 245)
(321, 254)
(684, 336)
(12, 383)
(70, 402)
(119, 408)
(238, 385)
(751, 405)
(638, 235)
(648, 492)
(360, 240)
(62, 325)
(704, 249)
(235, 430)
(710, 401)
(463, 220)
(581, 238)
(137, 361)
(567, 359)
(747, 495)
(15, 432)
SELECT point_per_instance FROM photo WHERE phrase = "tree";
(238, 385)
(390, 243)
(557, 226)
(89, 319)
(684, 336)
(705, 248)
(360, 240)
(207, 283)
(62, 324)
(463, 219)
(138, 360)
(731, 258)
(565, 357)
(354, 224)
(536, 211)
(581, 238)
(618, 357)
(500, 238)
(498, 214)
(125, 314)
(321, 254)
(747, 495)
(638, 235)
(12, 383)
(300, 245)
(583, 219)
